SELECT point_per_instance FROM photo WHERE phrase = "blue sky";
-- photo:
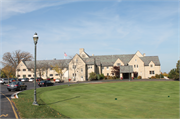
(101, 27)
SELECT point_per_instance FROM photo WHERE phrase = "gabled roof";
(107, 60)
(88, 60)
(148, 59)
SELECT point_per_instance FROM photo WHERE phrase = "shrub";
(92, 76)
(153, 77)
(139, 77)
(98, 76)
(101, 76)
(158, 76)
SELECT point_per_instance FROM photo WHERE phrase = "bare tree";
(14, 58)
(76, 65)
(40, 68)
(59, 67)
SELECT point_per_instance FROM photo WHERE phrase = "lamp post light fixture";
(35, 38)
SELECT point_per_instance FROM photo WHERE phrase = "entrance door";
(125, 75)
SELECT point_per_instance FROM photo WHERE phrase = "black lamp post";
(35, 38)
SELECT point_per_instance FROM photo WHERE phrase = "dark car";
(39, 79)
(16, 86)
(12, 80)
(45, 83)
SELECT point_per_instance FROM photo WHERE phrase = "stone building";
(79, 67)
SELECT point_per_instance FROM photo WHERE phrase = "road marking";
(4, 115)
(11, 106)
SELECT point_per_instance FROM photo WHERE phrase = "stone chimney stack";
(81, 50)
(144, 54)
(92, 54)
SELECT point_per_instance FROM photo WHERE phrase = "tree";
(76, 65)
(116, 71)
(92, 76)
(8, 71)
(2, 74)
(59, 67)
(174, 73)
(14, 58)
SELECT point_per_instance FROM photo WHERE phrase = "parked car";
(12, 80)
(39, 79)
(17, 85)
(48, 79)
(31, 79)
(19, 79)
(25, 79)
(3, 80)
(59, 80)
(45, 83)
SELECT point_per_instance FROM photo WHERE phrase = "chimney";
(81, 50)
(54, 58)
(144, 54)
(92, 54)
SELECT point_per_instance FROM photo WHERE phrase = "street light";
(35, 38)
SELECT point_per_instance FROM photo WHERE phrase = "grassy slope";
(27, 110)
(134, 100)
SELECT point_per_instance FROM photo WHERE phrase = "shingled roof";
(50, 62)
(107, 60)
(126, 69)
(148, 59)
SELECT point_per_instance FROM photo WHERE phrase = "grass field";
(134, 100)
(148, 99)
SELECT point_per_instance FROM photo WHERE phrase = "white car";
(31, 79)
(59, 81)
(3, 80)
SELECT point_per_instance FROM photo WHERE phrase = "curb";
(15, 95)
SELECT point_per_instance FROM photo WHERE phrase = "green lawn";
(148, 99)
(134, 100)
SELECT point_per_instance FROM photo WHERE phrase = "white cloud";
(13, 7)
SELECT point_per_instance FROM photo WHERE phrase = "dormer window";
(151, 65)
(118, 64)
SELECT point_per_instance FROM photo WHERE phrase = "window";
(102, 68)
(107, 67)
(50, 74)
(74, 74)
(135, 60)
(57, 74)
(24, 69)
(24, 76)
(113, 74)
(107, 74)
(151, 65)
(137, 66)
(50, 68)
(81, 76)
(18, 75)
(77, 60)
(74, 66)
(151, 72)
(81, 69)
(29, 69)
(18, 70)
(29, 75)
(134, 66)
(118, 64)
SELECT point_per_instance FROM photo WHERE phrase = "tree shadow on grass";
(61, 101)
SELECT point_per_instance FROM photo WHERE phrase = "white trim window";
(81, 69)
(107, 68)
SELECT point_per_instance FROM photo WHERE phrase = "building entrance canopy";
(126, 69)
